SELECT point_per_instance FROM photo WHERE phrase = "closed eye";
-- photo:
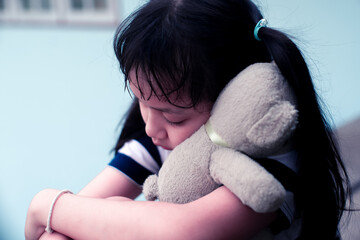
(174, 123)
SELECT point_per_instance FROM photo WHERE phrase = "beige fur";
(255, 115)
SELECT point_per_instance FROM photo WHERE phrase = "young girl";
(177, 55)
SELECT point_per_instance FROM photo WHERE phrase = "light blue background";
(62, 96)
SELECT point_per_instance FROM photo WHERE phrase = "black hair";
(161, 40)
(200, 45)
(133, 126)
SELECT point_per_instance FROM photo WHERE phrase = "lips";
(166, 148)
(157, 143)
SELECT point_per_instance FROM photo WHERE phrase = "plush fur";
(255, 114)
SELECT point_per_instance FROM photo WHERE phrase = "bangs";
(155, 49)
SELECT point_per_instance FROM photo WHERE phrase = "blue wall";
(61, 98)
(61, 95)
(326, 31)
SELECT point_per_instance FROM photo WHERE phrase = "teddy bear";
(254, 116)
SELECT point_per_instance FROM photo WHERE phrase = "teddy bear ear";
(275, 126)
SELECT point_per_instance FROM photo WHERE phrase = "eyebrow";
(165, 110)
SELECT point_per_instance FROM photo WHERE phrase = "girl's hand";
(37, 214)
(53, 236)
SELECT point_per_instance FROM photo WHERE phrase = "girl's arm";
(219, 215)
(111, 182)
(108, 183)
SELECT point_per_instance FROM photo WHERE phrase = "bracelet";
(48, 225)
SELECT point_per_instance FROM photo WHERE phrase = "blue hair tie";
(262, 23)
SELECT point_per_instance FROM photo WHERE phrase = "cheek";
(179, 135)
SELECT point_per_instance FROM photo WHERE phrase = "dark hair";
(201, 45)
(161, 40)
(133, 126)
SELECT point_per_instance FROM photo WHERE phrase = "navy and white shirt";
(139, 158)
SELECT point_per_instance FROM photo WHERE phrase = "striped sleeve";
(138, 159)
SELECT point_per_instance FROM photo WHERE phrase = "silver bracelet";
(48, 225)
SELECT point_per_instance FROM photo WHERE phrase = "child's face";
(167, 124)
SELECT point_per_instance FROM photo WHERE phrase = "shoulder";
(139, 158)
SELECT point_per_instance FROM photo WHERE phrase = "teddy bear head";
(255, 113)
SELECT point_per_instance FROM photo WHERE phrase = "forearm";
(111, 182)
(108, 183)
(92, 218)
(220, 215)
(53, 236)
(112, 219)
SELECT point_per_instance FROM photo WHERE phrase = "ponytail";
(324, 183)
(133, 126)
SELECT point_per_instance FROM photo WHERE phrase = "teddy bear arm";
(150, 188)
(250, 182)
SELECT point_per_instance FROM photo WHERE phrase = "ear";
(275, 126)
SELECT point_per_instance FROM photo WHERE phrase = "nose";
(154, 126)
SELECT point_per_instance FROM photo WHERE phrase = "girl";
(177, 55)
